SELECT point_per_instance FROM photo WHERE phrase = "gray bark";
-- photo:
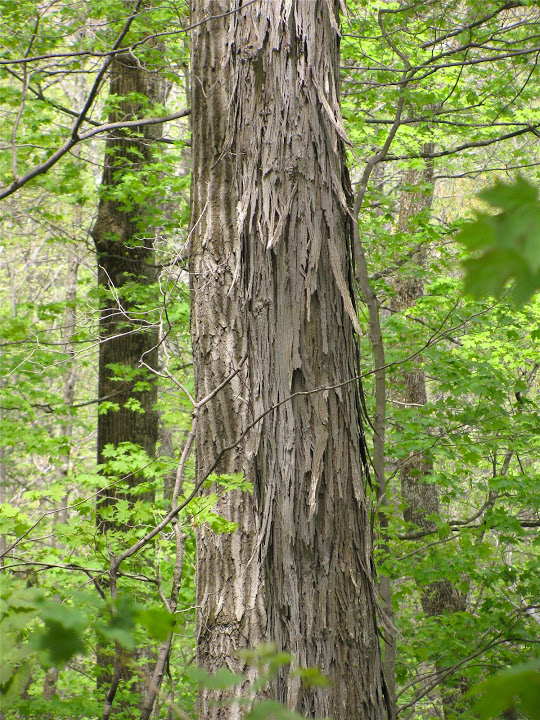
(294, 222)
(229, 583)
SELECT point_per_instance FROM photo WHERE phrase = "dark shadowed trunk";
(229, 598)
(293, 216)
(124, 237)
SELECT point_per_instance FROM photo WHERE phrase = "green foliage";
(483, 401)
(61, 636)
(200, 509)
(268, 661)
(39, 629)
(233, 481)
(515, 689)
(35, 627)
(475, 357)
(506, 245)
(312, 677)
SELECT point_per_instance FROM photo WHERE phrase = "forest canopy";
(270, 342)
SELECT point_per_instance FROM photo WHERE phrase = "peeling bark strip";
(293, 201)
(229, 583)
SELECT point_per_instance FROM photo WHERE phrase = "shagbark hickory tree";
(271, 223)
(266, 141)
(229, 579)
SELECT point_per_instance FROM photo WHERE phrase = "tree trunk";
(421, 497)
(295, 229)
(229, 584)
(124, 239)
(378, 460)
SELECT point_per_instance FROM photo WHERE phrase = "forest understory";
(269, 359)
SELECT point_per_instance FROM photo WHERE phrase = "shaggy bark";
(229, 583)
(294, 222)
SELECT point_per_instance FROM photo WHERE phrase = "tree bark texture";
(124, 239)
(293, 216)
(421, 497)
(229, 580)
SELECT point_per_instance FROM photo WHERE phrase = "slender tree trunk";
(229, 584)
(421, 497)
(70, 374)
(166, 453)
(294, 221)
(378, 458)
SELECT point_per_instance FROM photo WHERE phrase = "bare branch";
(75, 140)
(466, 146)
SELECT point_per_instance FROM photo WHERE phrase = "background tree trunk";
(124, 240)
(293, 206)
(421, 497)
(229, 583)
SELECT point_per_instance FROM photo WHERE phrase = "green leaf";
(488, 274)
(134, 405)
(62, 634)
(120, 622)
(13, 688)
(105, 406)
(311, 677)
(272, 710)
(510, 196)
(221, 680)
(157, 621)
(518, 687)
(506, 245)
